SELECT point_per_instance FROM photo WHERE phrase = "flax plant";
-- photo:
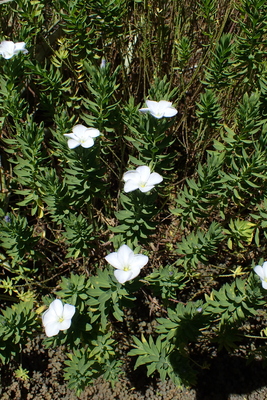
(133, 184)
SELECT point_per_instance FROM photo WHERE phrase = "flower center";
(83, 139)
(143, 183)
(60, 319)
(126, 268)
(159, 112)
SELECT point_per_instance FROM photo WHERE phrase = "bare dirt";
(224, 378)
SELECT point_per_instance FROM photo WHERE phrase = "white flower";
(82, 136)
(128, 265)
(159, 109)
(57, 317)
(103, 63)
(141, 179)
(262, 272)
(8, 48)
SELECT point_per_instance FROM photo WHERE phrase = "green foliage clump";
(165, 282)
(233, 302)
(17, 324)
(198, 198)
(220, 71)
(197, 247)
(137, 217)
(79, 235)
(107, 296)
(18, 239)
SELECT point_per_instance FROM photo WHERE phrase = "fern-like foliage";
(102, 104)
(156, 355)
(199, 197)
(198, 247)
(17, 324)
(137, 221)
(84, 176)
(81, 369)
(73, 290)
(219, 73)
(56, 196)
(168, 354)
(183, 323)
(80, 236)
(209, 111)
(251, 40)
(106, 296)
(165, 282)
(30, 158)
(240, 231)
(233, 302)
(18, 240)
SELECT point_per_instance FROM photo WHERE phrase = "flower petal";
(163, 104)
(264, 268)
(127, 264)
(145, 189)
(88, 143)
(52, 329)
(20, 46)
(264, 284)
(130, 186)
(72, 143)
(79, 129)
(122, 258)
(57, 307)
(170, 112)
(57, 317)
(68, 311)
(7, 55)
(125, 255)
(71, 136)
(139, 261)
(158, 116)
(144, 172)
(144, 110)
(81, 135)
(122, 276)
(93, 132)
(159, 109)
(7, 49)
(259, 271)
(134, 273)
(133, 175)
(153, 106)
(113, 260)
(49, 317)
(154, 179)
(7, 45)
(65, 324)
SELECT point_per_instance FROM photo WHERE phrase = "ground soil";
(224, 378)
